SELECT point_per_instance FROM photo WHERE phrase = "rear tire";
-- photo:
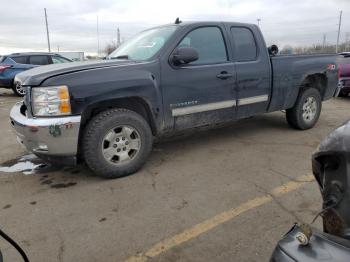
(116, 143)
(306, 111)
(17, 89)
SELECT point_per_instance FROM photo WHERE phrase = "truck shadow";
(8, 93)
(242, 131)
(239, 129)
(199, 137)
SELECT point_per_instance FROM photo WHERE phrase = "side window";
(245, 46)
(209, 43)
(38, 60)
(20, 59)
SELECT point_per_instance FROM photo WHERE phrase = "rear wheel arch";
(317, 81)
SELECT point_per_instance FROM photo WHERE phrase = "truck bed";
(289, 71)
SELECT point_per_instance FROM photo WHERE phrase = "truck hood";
(36, 76)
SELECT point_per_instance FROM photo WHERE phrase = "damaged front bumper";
(52, 138)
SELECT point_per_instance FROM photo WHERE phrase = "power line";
(47, 31)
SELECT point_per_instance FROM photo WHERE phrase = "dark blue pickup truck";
(165, 79)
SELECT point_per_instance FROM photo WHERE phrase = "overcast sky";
(72, 23)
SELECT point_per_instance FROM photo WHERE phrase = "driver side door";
(201, 92)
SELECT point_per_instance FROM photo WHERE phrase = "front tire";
(116, 143)
(306, 110)
(18, 89)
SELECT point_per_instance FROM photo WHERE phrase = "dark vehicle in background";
(10, 65)
(344, 78)
(165, 80)
(331, 168)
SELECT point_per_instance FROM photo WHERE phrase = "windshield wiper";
(121, 57)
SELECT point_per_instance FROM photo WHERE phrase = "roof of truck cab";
(213, 22)
(187, 23)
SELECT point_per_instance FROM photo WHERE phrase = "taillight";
(4, 67)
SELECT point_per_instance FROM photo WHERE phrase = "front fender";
(95, 86)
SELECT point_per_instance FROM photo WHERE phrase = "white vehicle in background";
(75, 56)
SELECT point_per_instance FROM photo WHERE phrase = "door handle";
(224, 75)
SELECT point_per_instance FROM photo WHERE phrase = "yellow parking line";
(219, 219)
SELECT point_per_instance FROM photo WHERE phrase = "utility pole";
(259, 20)
(118, 37)
(347, 41)
(47, 31)
(98, 36)
(339, 26)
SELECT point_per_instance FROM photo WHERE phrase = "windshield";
(144, 45)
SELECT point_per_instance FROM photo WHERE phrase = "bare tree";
(110, 47)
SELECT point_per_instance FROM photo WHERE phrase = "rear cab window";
(244, 44)
(38, 60)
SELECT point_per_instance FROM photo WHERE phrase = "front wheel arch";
(136, 104)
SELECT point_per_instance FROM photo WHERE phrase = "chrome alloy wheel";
(20, 90)
(309, 109)
(121, 145)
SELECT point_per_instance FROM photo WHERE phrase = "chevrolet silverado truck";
(162, 81)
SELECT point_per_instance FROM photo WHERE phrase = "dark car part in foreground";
(165, 80)
(321, 247)
(331, 168)
(10, 65)
(15, 245)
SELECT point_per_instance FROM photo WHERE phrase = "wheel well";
(318, 81)
(135, 104)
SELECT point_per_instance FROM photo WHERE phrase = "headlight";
(50, 101)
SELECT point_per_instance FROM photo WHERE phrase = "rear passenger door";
(39, 60)
(253, 70)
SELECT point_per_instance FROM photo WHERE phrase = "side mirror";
(273, 50)
(184, 55)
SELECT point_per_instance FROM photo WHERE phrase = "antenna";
(178, 21)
